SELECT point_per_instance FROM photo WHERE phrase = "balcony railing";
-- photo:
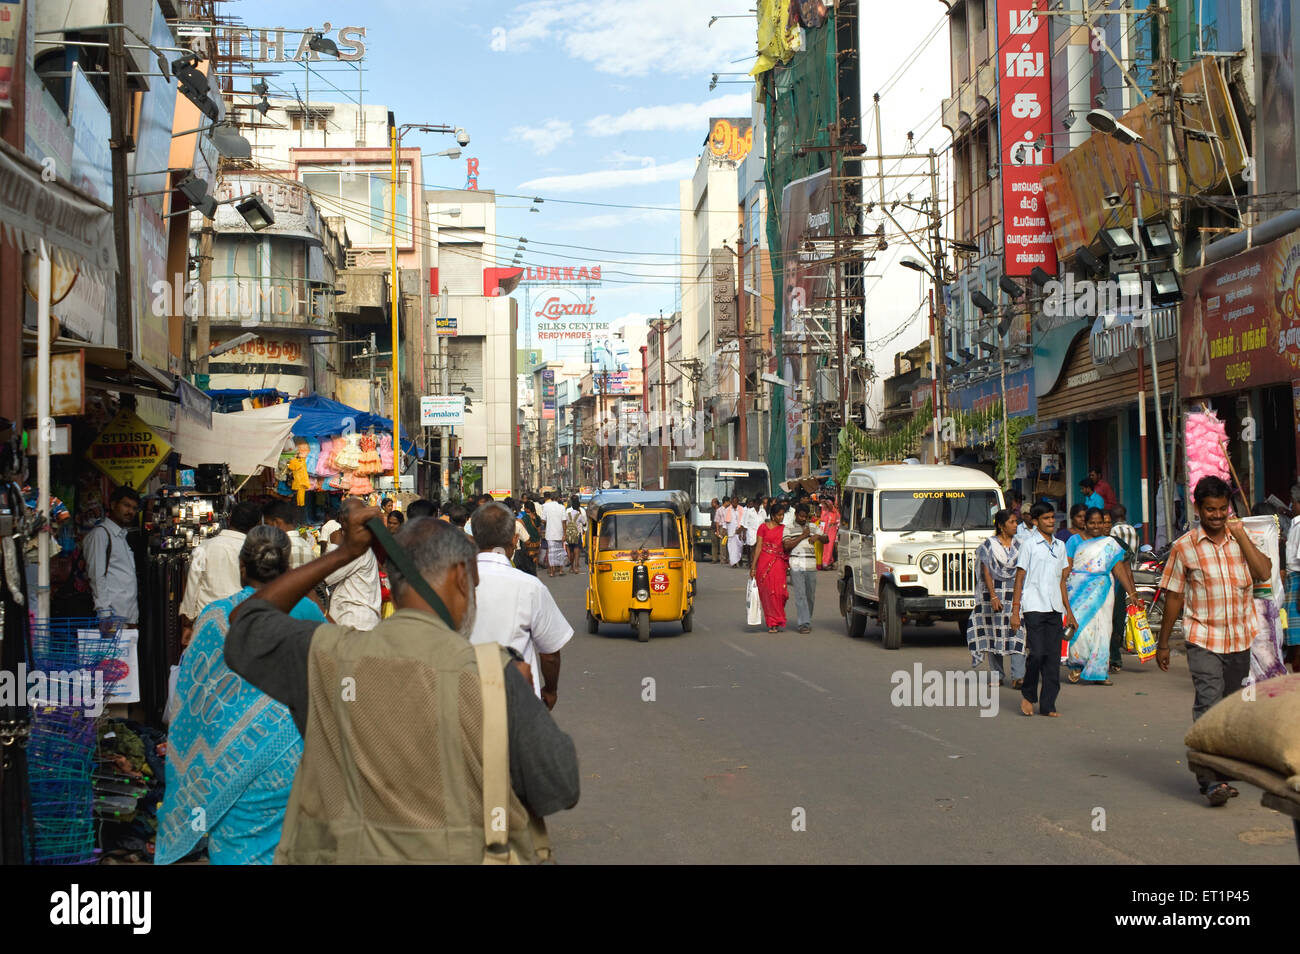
(245, 299)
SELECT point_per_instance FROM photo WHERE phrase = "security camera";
(462, 137)
(1113, 200)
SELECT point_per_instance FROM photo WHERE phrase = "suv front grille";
(959, 572)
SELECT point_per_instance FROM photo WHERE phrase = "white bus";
(704, 480)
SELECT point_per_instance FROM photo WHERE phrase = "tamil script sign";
(730, 139)
(1024, 118)
(1241, 321)
(442, 410)
(128, 450)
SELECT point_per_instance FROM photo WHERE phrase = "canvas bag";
(496, 767)
(1255, 724)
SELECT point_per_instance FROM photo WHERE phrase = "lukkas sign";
(1241, 321)
(128, 450)
(550, 274)
(1024, 115)
(273, 45)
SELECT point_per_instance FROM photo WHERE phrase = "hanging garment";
(298, 479)
(386, 452)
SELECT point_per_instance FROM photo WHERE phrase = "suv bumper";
(930, 604)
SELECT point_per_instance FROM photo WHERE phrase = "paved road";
(748, 731)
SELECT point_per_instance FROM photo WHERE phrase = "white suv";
(907, 542)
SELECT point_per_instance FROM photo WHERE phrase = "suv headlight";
(929, 563)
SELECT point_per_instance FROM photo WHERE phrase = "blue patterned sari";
(231, 753)
(1091, 588)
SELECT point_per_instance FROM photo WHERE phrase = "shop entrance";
(1276, 431)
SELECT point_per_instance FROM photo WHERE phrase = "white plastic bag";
(753, 607)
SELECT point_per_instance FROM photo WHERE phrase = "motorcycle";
(1147, 574)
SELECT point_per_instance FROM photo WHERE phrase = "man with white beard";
(386, 714)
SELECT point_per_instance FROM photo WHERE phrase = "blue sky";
(601, 102)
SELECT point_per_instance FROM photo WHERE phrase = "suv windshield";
(722, 482)
(938, 509)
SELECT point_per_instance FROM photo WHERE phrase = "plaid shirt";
(1217, 589)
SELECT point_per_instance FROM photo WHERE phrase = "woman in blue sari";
(232, 750)
(1097, 562)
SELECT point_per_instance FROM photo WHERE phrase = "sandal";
(773, 629)
(1219, 794)
(1017, 683)
(1073, 675)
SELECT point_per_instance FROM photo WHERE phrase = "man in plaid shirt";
(1211, 573)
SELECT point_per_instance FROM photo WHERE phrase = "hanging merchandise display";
(1206, 443)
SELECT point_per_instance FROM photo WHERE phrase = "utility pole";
(663, 409)
(120, 144)
(742, 446)
(1176, 227)
(203, 326)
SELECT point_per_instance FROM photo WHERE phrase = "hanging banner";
(1024, 120)
(128, 450)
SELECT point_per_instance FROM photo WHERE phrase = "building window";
(361, 195)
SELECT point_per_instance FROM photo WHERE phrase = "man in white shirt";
(355, 596)
(514, 608)
(749, 524)
(214, 566)
(553, 518)
(280, 513)
(798, 541)
(110, 564)
(1042, 569)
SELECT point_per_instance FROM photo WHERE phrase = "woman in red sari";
(830, 527)
(769, 570)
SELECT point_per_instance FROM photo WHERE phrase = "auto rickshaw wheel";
(643, 626)
(593, 624)
(688, 620)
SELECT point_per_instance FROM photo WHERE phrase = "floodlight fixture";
(320, 43)
(983, 302)
(1040, 276)
(255, 212)
(1119, 242)
(1104, 121)
(1089, 262)
(1008, 285)
(1165, 289)
(260, 87)
(1160, 239)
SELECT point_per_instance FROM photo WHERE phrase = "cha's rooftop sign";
(277, 44)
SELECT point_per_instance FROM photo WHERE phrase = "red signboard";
(1024, 114)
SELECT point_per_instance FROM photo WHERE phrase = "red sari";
(770, 573)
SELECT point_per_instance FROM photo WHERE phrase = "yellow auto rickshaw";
(641, 569)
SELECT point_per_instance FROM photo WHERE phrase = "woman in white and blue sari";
(990, 633)
(232, 750)
(1097, 562)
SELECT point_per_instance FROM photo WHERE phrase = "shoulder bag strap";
(496, 755)
(392, 551)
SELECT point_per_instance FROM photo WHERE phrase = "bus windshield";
(938, 509)
(722, 482)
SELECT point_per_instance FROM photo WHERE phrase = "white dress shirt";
(214, 572)
(301, 552)
(553, 514)
(517, 610)
(1043, 563)
(112, 575)
(356, 598)
(1293, 546)
(750, 523)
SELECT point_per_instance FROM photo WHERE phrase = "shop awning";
(246, 440)
(77, 228)
(112, 369)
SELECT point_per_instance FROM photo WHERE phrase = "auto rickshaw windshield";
(632, 531)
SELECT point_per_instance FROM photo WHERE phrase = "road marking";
(736, 648)
(810, 685)
(926, 735)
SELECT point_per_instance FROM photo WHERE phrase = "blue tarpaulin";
(320, 417)
(226, 400)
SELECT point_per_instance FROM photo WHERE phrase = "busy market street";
(538, 432)
(746, 728)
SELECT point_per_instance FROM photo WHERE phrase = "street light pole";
(396, 307)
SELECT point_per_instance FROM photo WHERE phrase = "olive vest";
(398, 724)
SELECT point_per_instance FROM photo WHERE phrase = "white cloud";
(633, 37)
(676, 117)
(546, 137)
(612, 178)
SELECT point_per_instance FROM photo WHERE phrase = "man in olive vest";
(396, 720)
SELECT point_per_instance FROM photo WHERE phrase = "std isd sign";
(128, 450)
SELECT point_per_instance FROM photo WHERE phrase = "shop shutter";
(466, 366)
(460, 268)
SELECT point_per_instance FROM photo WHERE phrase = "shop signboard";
(1115, 340)
(548, 394)
(442, 410)
(128, 450)
(152, 155)
(148, 268)
(1024, 118)
(730, 140)
(92, 164)
(1020, 396)
(1241, 321)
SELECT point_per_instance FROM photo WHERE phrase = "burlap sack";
(1263, 730)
